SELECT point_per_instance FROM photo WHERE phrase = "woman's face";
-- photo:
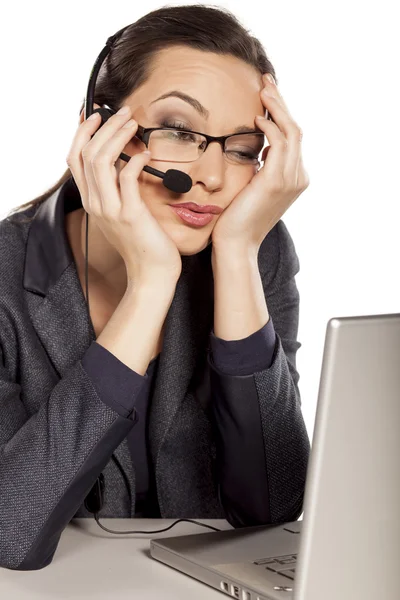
(229, 90)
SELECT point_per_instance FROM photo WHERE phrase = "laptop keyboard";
(282, 565)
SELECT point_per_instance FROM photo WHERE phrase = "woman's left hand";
(277, 184)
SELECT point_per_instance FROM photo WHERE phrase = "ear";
(82, 115)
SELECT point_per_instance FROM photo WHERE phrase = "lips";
(192, 218)
(199, 208)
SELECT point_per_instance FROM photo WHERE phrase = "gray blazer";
(56, 435)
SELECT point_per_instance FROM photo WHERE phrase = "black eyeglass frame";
(143, 134)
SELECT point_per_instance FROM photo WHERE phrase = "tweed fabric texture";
(56, 434)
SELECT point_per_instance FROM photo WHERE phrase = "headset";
(174, 180)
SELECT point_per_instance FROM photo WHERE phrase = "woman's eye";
(182, 136)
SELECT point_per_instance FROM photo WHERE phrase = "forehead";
(216, 80)
(192, 61)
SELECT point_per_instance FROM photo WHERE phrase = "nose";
(210, 167)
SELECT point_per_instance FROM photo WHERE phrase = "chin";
(188, 240)
(188, 249)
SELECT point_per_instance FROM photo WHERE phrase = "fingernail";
(270, 78)
(129, 124)
(124, 110)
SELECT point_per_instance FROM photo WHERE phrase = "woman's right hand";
(114, 203)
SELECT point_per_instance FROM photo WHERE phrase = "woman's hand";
(277, 184)
(113, 201)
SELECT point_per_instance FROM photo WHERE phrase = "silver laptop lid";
(350, 543)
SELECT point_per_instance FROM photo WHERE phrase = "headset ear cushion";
(105, 114)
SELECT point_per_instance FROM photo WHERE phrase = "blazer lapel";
(55, 298)
(58, 308)
(187, 329)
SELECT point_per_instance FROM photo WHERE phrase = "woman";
(186, 396)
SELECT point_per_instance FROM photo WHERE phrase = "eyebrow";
(201, 109)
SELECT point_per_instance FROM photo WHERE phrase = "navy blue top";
(237, 357)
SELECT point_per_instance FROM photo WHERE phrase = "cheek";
(239, 178)
(155, 195)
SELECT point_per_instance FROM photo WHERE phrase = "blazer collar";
(48, 252)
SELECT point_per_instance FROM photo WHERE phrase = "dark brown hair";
(128, 65)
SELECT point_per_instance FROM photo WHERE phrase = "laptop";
(347, 547)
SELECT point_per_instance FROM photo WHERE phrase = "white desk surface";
(92, 563)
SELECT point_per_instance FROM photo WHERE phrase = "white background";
(337, 68)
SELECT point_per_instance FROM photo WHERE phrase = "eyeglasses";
(171, 144)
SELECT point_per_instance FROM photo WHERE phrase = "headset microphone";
(174, 180)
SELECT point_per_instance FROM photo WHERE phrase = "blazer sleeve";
(50, 460)
(262, 442)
